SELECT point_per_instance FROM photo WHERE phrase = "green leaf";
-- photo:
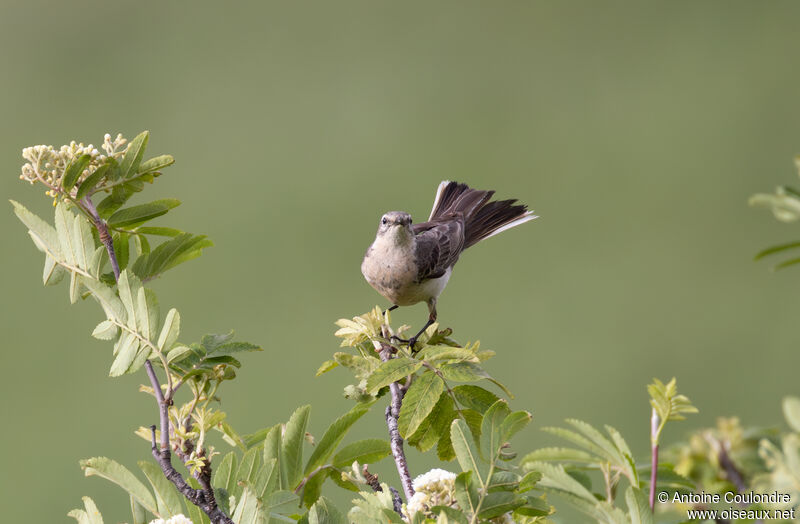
(333, 436)
(121, 476)
(498, 503)
(272, 451)
(418, 402)
(324, 512)
(556, 454)
(129, 285)
(52, 273)
(108, 300)
(169, 254)
(127, 348)
(391, 371)
(292, 448)
(791, 411)
(326, 366)
(74, 170)
(514, 423)
(91, 515)
(280, 502)
(138, 514)
(503, 481)
(247, 509)
(105, 330)
(170, 330)
(776, 249)
(466, 491)
(491, 436)
(435, 425)
(638, 506)
(148, 313)
(156, 164)
(367, 451)
(452, 514)
(142, 213)
(463, 372)
(466, 452)
(39, 229)
(266, 478)
(159, 231)
(529, 481)
(167, 497)
(121, 243)
(474, 397)
(248, 468)
(224, 474)
(119, 195)
(133, 155)
(91, 181)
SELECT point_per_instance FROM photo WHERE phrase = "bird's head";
(396, 226)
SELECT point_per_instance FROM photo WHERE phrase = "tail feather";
(482, 219)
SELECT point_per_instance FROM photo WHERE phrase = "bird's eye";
(384, 221)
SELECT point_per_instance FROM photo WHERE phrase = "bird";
(411, 263)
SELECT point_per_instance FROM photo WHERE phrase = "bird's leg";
(391, 309)
(431, 320)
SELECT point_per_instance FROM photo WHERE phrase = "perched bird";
(412, 263)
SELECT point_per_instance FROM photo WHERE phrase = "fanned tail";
(482, 218)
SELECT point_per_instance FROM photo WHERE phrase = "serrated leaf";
(225, 473)
(105, 330)
(326, 366)
(435, 425)
(292, 447)
(333, 436)
(168, 499)
(52, 273)
(272, 451)
(169, 254)
(638, 506)
(248, 467)
(466, 451)
(498, 503)
(155, 164)
(147, 313)
(142, 213)
(557, 454)
(170, 330)
(74, 170)
(491, 437)
(466, 491)
(418, 402)
(133, 155)
(126, 351)
(391, 371)
(367, 451)
(91, 181)
(121, 476)
(474, 397)
(108, 300)
(41, 230)
(324, 512)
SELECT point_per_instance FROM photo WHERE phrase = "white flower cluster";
(177, 519)
(47, 165)
(434, 488)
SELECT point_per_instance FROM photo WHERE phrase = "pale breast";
(391, 270)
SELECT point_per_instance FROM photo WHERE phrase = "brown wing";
(439, 243)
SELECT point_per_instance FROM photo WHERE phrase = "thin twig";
(202, 498)
(102, 231)
(372, 480)
(392, 414)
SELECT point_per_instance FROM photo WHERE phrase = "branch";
(102, 231)
(372, 480)
(202, 498)
(392, 414)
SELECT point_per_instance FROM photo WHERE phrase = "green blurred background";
(636, 130)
